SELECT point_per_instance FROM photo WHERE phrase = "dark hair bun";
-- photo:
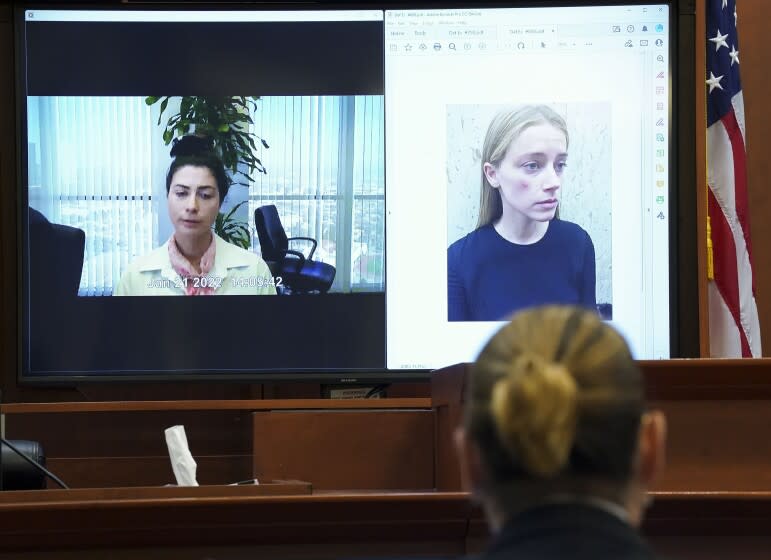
(192, 145)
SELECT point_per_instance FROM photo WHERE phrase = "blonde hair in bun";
(534, 410)
(553, 404)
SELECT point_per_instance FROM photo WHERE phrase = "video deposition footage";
(414, 132)
(249, 162)
(265, 217)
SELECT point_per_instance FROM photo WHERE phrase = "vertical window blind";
(325, 174)
(90, 167)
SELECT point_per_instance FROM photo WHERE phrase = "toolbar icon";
(659, 200)
(659, 137)
(660, 184)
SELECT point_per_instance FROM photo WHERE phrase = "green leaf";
(226, 120)
(151, 99)
(234, 209)
(184, 106)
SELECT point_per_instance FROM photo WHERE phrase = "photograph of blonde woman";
(195, 260)
(556, 442)
(522, 236)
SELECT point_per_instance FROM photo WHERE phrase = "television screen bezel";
(683, 298)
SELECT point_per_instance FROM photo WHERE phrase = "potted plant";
(232, 230)
(226, 121)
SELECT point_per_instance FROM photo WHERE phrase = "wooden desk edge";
(253, 405)
(226, 493)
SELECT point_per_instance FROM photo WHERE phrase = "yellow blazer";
(235, 272)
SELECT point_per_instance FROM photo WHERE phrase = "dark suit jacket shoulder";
(575, 531)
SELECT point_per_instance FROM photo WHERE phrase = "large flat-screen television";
(368, 190)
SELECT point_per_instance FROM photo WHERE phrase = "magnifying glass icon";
(451, 46)
(660, 58)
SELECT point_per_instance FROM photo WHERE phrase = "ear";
(491, 174)
(651, 452)
(469, 459)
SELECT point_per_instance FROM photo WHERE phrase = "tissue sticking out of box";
(182, 462)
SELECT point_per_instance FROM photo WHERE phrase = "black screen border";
(684, 341)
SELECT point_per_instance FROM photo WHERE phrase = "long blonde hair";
(555, 397)
(506, 127)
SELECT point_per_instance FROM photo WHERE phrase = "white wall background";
(586, 190)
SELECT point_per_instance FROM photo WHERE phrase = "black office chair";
(300, 274)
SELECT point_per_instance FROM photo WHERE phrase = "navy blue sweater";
(488, 277)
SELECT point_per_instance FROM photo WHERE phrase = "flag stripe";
(721, 181)
(733, 313)
(737, 102)
(726, 269)
(740, 180)
(723, 334)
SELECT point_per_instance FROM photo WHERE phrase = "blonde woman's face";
(530, 175)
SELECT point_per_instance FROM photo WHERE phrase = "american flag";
(734, 330)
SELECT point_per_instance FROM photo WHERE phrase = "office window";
(91, 168)
(325, 174)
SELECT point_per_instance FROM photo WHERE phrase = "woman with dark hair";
(196, 261)
(556, 442)
(521, 254)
